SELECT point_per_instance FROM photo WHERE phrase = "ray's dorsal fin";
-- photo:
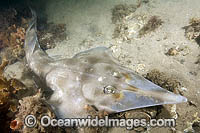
(97, 55)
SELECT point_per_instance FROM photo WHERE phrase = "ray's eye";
(109, 89)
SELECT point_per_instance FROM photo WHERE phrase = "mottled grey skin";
(92, 77)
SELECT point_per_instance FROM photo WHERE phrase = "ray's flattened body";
(92, 77)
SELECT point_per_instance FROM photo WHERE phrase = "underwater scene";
(100, 66)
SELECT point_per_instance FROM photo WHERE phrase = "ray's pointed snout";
(139, 92)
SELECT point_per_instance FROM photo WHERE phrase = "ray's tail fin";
(31, 40)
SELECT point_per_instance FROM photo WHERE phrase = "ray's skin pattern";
(92, 77)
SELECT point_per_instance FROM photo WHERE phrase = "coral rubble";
(192, 31)
(51, 34)
(12, 34)
(119, 12)
(127, 24)
(33, 105)
(153, 23)
(163, 80)
(8, 97)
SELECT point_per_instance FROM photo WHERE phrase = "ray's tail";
(31, 40)
(36, 58)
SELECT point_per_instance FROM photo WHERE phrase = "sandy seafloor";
(89, 24)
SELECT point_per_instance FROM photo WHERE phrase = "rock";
(14, 71)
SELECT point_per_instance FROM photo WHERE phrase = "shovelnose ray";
(92, 77)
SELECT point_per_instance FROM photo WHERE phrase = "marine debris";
(192, 31)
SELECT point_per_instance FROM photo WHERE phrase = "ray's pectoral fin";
(139, 93)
